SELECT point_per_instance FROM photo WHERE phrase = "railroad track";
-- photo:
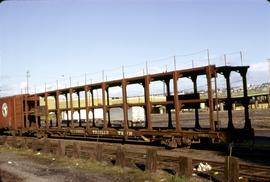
(247, 171)
(178, 162)
(255, 172)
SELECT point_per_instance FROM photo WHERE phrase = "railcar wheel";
(169, 143)
(40, 135)
(205, 141)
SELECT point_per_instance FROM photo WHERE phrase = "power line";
(191, 54)
(141, 66)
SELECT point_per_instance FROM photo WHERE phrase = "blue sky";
(56, 39)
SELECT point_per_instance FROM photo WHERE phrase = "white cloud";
(259, 67)
(259, 73)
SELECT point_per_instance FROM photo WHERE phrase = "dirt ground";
(29, 169)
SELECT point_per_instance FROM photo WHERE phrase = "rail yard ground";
(28, 166)
(260, 119)
(22, 164)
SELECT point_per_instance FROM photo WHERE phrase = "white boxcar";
(135, 114)
(116, 114)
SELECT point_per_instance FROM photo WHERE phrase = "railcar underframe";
(37, 120)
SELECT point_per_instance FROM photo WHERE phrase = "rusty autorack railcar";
(58, 113)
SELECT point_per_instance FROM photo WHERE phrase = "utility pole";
(225, 59)
(123, 71)
(241, 58)
(208, 56)
(27, 81)
(146, 67)
(174, 62)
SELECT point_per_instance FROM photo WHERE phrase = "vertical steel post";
(86, 89)
(66, 96)
(105, 121)
(79, 107)
(93, 110)
(148, 105)
(108, 104)
(125, 104)
(170, 125)
(36, 112)
(71, 107)
(46, 110)
(216, 101)
(195, 90)
(243, 73)
(57, 104)
(209, 73)
(229, 98)
(176, 101)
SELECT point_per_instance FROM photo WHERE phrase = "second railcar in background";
(12, 113)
